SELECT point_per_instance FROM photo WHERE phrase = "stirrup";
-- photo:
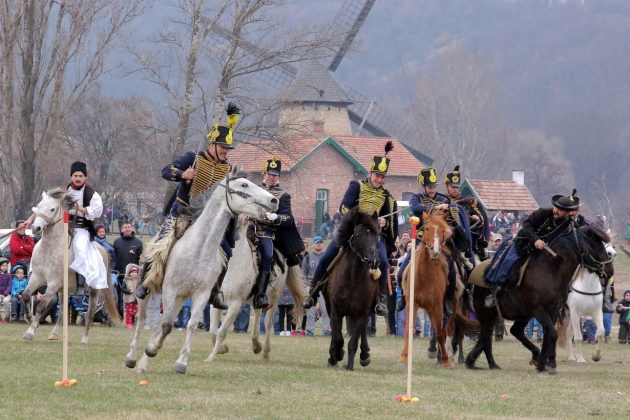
(380, 309)
(401, 304)
(142, 291)
(448, 308)
(490, 301)
(261, 301)
(308, 303)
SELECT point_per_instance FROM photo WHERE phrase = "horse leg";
(546, 359)
(271, 313)
(364, 356)
(234, 307)
(432, 351)
(435, 314)
(336, 338)
(41, 308)
(198, 303)
(577, 338)
(171, 304)
(94, 293)
(518, 331)
(256, 347)
(598, 318)
(215, 319)
(33, 284)
(132, 357)
(569, 339)
(359, 328)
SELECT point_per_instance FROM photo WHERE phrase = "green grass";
(296, 383)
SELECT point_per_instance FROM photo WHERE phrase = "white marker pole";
(411, 315)
(65, 295)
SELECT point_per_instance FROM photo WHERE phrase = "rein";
(586, 293)
(363, 258)
(427, 246)
(229, 191)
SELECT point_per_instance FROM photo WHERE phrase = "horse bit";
(363, 258)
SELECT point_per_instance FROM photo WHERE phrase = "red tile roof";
(251, 156)
(503, 195)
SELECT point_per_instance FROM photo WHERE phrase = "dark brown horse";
(541, 294)
(352, 289)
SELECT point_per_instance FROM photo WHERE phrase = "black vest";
(88, 193)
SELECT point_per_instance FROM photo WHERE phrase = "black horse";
(542, 294)
(351, 290)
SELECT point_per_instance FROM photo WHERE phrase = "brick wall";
(328, 169)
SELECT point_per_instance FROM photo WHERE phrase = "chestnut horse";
(352, 289)
(430, 285)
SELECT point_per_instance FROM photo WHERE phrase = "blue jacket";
(110, 250)
(18, 286)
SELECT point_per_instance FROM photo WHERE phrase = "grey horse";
(195, 262)
(47, 266)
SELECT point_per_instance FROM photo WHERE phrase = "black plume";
(389, 146)
(574, 192)
(456, 169)
(233, 109)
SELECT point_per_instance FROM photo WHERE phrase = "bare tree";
(53, 52)
(458, 113)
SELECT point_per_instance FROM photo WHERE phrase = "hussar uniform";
(208, 171)
(278, 231)
(87, 259)
(369, 200)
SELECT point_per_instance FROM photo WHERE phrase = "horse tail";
(110, 302)
(468, 326)
(563, 326)
(297, 287)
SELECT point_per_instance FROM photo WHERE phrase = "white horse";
(195, 262)
(47, 266)
(586, 298)
(239, 280)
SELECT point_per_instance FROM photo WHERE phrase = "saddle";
(477, 277)
(276, 261)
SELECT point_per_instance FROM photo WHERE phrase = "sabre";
(188, 181)
(550, 251)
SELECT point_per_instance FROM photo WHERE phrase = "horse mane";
(437, 216)
(198, 204)
(350, 221)
(62, 194)
(598, 232)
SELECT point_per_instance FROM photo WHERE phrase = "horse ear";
(445, 215)
(234, 171)
(375, 216)
(43, 194)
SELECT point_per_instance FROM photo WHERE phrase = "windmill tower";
(311, 98)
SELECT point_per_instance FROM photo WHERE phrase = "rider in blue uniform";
(371, 197)
(276, 230)
(196, 172)
(423, 202)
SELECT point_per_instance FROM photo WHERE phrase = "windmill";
(367, 117)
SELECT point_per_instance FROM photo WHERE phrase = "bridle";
(50, 220)
(593, 265)
(425, 243)
(229, 191)
(351, 241)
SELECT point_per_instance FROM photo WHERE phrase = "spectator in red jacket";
(21, 246)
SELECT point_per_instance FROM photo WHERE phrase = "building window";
(322, 195)
(316, 108)
(329, 108)
(406, 196)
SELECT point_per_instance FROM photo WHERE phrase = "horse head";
(245, 197)
(600, 253)
(50, 209)
(360, 232)
(436, 231)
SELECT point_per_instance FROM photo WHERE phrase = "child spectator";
(285, 306)
(129, 284)
(529, 330)
(589, 329)
(6, 284)
(184, 316)
(19, 284)
(623, 309)
(309, 264)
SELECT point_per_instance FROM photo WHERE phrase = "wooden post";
(413, 221)
(65, 295)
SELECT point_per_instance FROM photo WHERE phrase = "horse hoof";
(265, 356)
(494, 367)
(53, 337)
(432, 354)
(210, 359)
(84, 340)
(332, 363)
(571, 359)
(550, 370)
(534, 363)
(130, 363)
(223, 348)
(581, 361)
(141, 370)
(365, 362)
(401, 364)
(256, 348)
(448, 367)
(348, 369)
(596, 358)
(149, 352)
(29, 337)
(179, 368)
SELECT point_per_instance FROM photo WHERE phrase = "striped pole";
(65, 295)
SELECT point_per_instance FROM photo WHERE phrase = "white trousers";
(87, 260)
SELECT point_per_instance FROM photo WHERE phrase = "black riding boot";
(491, 299)
(215, 300)
(469, 297)
(400, 305)
(381, 305)
(142, 291)
(310, 300)
(260, 300)
(450, 291)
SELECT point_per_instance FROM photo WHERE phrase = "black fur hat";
(78, 166)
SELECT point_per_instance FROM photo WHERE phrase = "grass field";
(296, 383)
